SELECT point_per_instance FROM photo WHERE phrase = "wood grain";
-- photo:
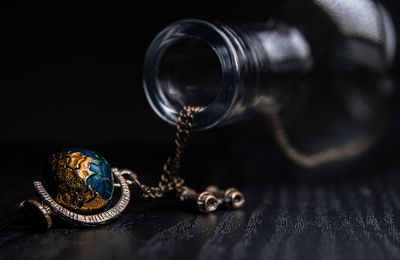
(333, 218)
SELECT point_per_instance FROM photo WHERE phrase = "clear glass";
(324, 82)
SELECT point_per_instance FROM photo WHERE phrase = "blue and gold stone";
(83, 180)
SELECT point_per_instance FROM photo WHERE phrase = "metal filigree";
(50, 207)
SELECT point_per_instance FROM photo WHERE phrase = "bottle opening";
(190, 73)
(192, 63)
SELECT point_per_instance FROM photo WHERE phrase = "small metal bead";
(219, 194)
(233, 198)
(207, 202)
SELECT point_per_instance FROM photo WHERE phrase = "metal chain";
(170, 178)
(337, 153)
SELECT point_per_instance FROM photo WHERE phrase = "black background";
(71, 76)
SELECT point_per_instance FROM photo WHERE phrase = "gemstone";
(81, 180)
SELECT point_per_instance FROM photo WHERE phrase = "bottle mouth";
(192, 63)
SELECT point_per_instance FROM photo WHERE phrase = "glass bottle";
(323, 83)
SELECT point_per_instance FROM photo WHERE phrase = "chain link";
(339, 152)
(171, 180)
(170, 177)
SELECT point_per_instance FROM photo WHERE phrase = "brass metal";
(207, 201)
(49, 206)
(348, 150)
(231, 198)
(42, 211)
(171, 180)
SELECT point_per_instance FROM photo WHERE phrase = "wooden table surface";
(339, 217)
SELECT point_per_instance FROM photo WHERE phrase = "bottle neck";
(232, 69)
(196, 63)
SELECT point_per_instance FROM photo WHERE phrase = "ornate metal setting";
(81, 185)
(50, 207)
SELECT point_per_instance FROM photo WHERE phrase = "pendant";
(79, 187)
